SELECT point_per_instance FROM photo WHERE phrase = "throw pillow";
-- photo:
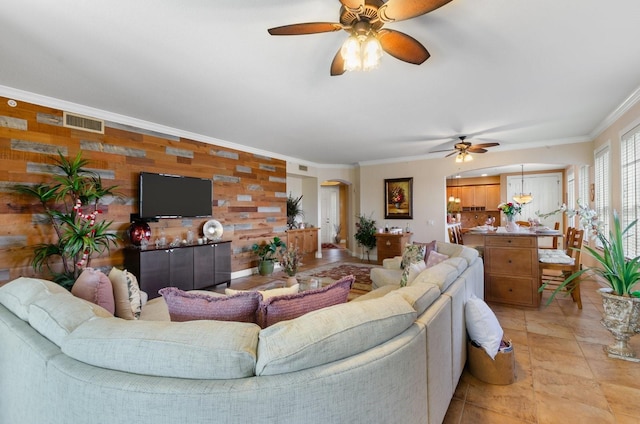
(94, 286)
(266, 294)
(413, 253)
(186, 306)
(483, 326)
(428, 248)
(281, 308)
(415, 270)
(435, 258)
(126, 294)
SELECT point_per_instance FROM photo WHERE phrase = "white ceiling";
(525, 73)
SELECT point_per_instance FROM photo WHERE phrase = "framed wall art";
(398, 198)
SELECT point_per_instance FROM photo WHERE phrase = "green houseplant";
(294, 210)
(267, 254)
(71, 204)
(621, 275)
(366, 233)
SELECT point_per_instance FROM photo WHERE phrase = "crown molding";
(617, 113)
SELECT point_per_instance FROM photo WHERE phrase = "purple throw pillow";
(185, 306)
(281, 308)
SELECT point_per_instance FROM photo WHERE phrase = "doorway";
(330, 206)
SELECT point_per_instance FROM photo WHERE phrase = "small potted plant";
(267, 254)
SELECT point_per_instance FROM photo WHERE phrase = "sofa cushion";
(482, 325)
(458, 250)
(441, 275)
(286, 307)
(57, 315)
(435, 258)
(190, 306)
(18, 294)
(195, 349)
(419, 296)
(331, 334)
(94, 286)
(126, 293)
(266, 294)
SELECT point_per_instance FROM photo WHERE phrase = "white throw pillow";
(415, 270)
(483, 326)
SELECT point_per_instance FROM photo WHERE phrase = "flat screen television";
(174, 196)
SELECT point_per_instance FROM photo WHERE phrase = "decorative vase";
(397, 205)
(621, 317)
(511, 225)
(139, 231)
(265, 267)
(291, 280)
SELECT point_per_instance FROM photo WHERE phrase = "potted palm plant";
(71, 204)
(267, 254)
(294, 210)
(621, 274)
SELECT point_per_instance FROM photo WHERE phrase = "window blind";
(630, 167)
(571, 193)
(583, 184)
(601, 170)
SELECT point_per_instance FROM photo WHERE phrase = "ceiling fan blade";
(476, 149)
(353, 5)
(402, 46)
(440, 151)
(486, 145)
(337, 66)
(398, 10)
(306, 28)
(452, 153)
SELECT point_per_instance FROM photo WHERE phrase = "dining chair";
(555, 268)
(523, 223)
(455, 234)
(554, 242)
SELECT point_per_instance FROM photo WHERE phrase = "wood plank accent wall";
(249, 191)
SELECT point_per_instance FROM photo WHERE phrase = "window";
(602, 205)
(630, 167)
(571, 192)
(583, 185)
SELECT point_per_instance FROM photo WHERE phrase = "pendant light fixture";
(522, 197)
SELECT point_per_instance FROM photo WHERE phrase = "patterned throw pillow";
(266, 294)
(428, 248)
(413, 253)
(126, 293)
(191, 306)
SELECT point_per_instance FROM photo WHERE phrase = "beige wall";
(429, 182)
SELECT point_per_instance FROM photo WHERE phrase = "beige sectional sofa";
(394, 355)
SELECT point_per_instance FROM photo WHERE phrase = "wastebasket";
(501, 370)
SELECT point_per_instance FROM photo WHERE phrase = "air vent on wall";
(84, 123)
(302, 168)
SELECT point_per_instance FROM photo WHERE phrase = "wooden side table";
(390, 245)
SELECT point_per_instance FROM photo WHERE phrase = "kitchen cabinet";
(478, 197)
(511, 269)
(493, 197)
(184, 267)
(391, 245)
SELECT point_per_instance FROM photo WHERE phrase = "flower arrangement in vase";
(510, 210)
(290, 260)
(397, 196)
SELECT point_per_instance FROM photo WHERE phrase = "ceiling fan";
(364, 20)
(463, 149)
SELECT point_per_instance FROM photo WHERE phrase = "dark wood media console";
(185, 267)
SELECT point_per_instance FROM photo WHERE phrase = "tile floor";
(562, 374)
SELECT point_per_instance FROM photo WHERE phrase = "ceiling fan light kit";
(364, 20)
